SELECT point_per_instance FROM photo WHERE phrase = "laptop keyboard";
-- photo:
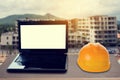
(43, 61)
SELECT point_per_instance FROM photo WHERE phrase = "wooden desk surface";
(74, 72)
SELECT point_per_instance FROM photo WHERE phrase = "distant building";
(74, 39)
(9, 39)
(101, 29)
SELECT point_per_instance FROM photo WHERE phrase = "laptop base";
(40, 64)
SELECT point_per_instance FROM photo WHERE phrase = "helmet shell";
(94, 57)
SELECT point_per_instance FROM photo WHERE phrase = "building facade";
(102, 29)
(71, 35)
(9, 39)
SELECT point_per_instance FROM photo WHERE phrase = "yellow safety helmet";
(94, 57)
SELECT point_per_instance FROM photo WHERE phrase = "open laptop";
(42, 47)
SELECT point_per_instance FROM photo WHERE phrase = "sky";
(61, 8)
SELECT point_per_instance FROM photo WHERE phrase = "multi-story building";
(101, 29)
(9, 39)
(74, 39)
(72, 34)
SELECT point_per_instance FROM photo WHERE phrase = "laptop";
(42, 47)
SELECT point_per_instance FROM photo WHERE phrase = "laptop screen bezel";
(41, 51)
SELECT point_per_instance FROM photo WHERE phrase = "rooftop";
(9, 33)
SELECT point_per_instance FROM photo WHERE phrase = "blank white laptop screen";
(43, 36)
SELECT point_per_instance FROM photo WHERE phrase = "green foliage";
(6, 28)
